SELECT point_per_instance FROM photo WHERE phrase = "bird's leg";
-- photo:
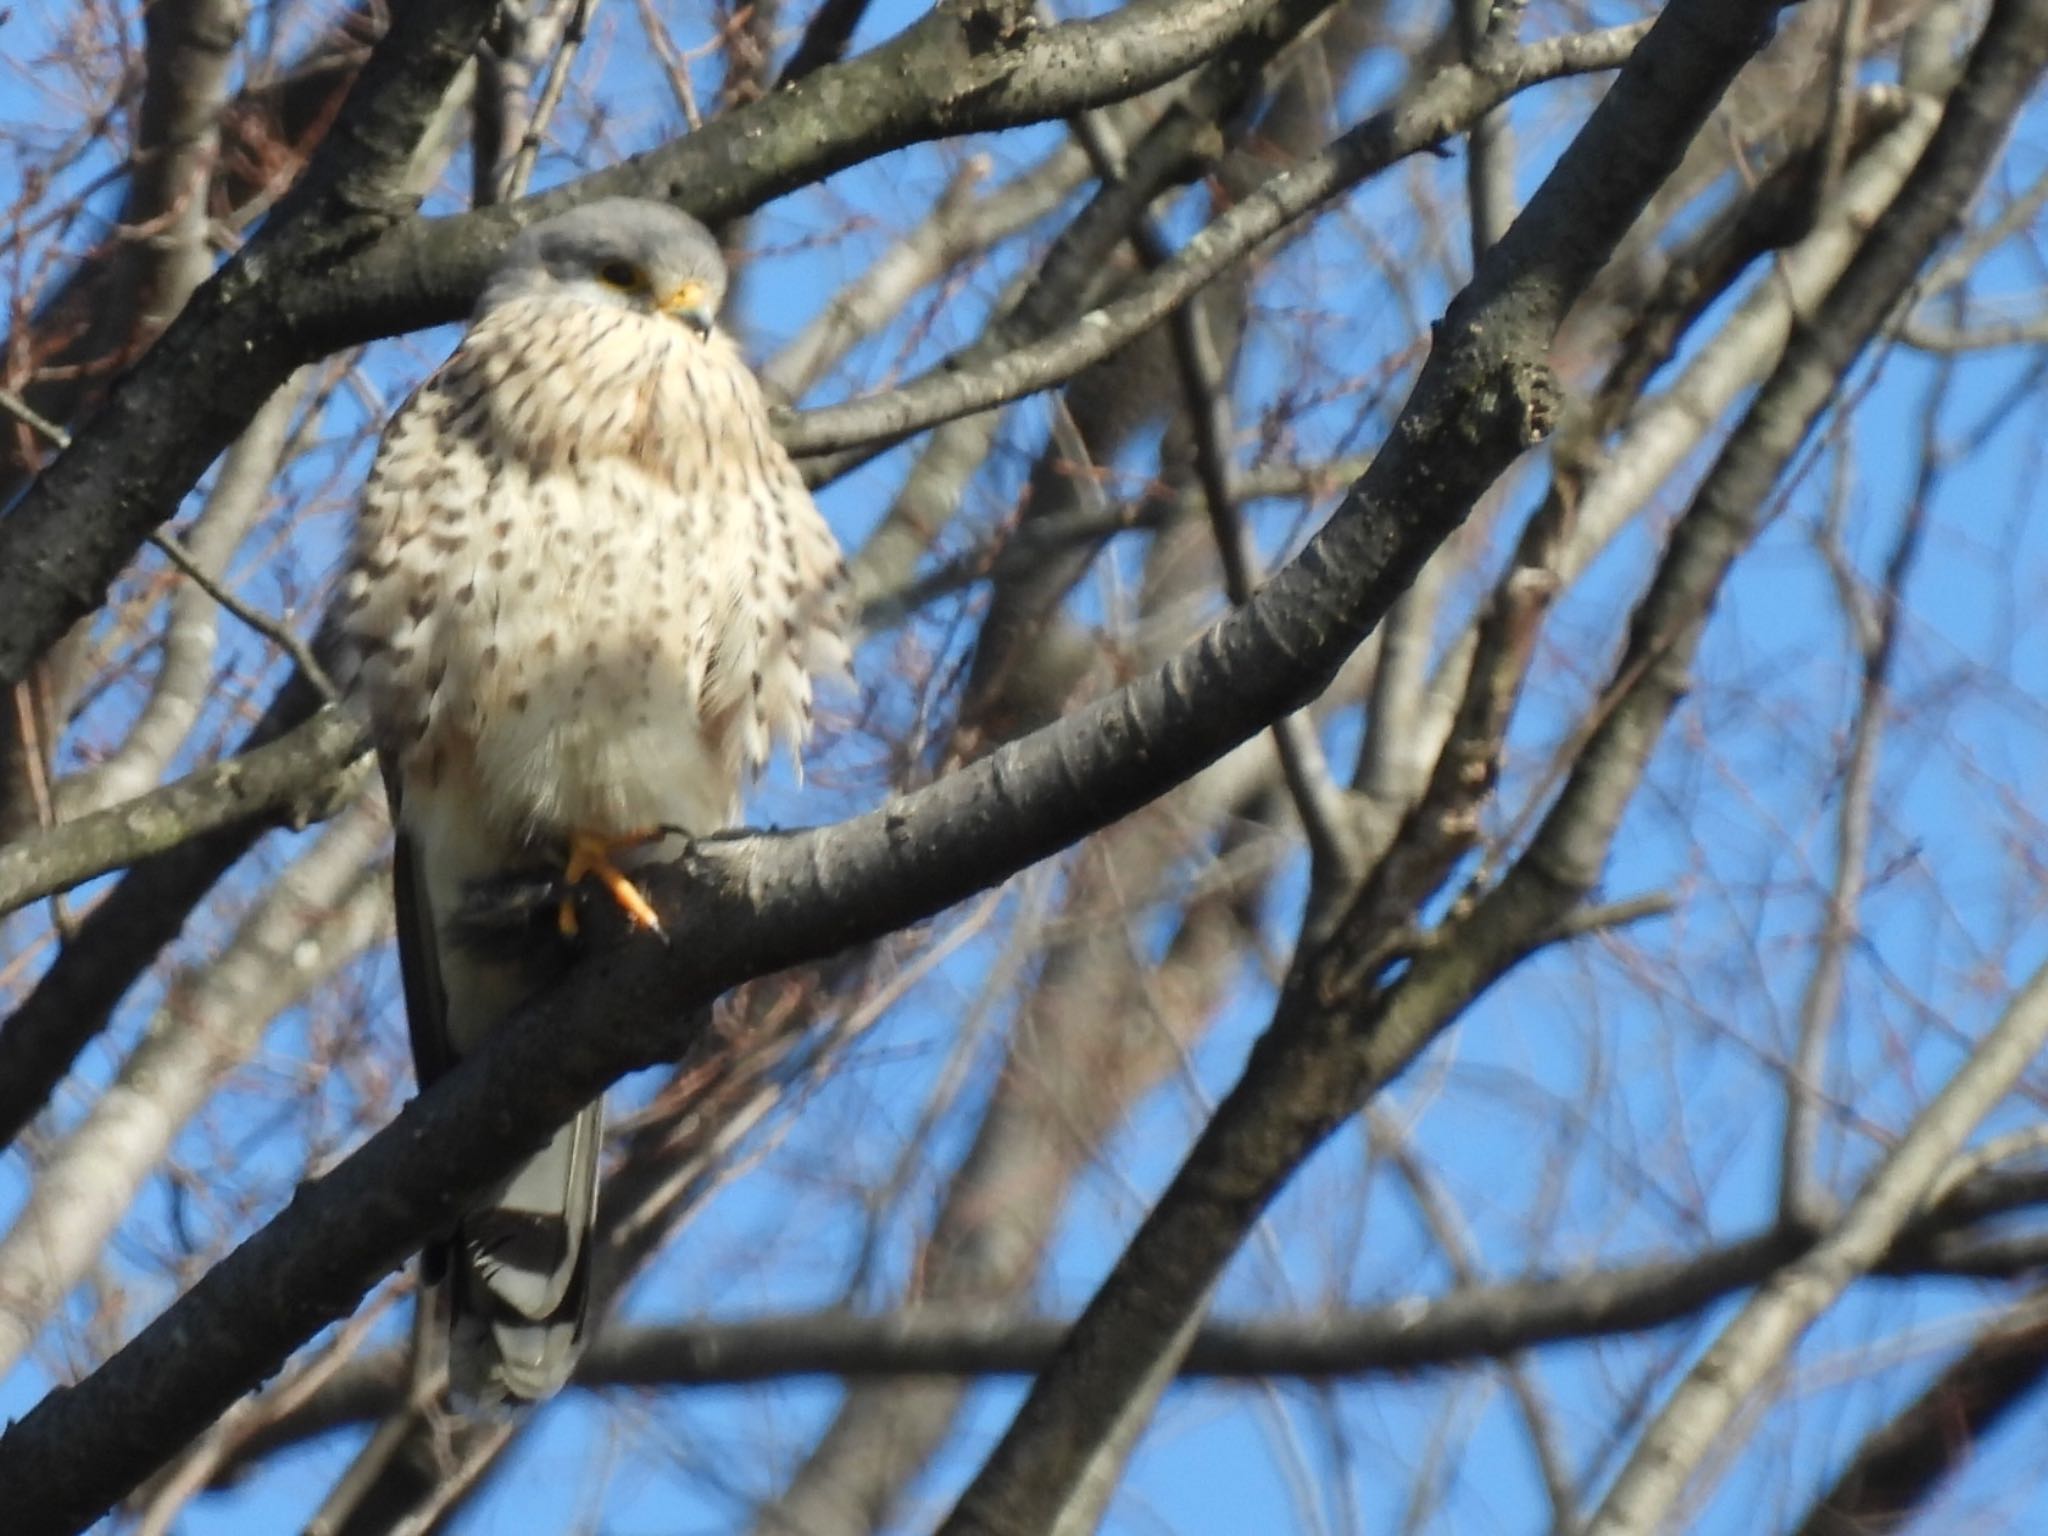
(590, 855)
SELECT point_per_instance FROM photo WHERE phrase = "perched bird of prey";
(588, 593)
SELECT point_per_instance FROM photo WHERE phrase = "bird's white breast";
(588, 586)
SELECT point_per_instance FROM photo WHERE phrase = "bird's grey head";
(620, 252)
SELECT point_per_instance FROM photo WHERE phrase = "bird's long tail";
(519, 1270)
(510, 1283)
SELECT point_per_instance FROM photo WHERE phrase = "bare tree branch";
(227, 351)
(1673, 1450)
(1482, 1321)
(1875, 621)
(300, 778)
(1433, 114)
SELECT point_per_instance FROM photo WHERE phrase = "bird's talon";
(639, 911)
(590, 855)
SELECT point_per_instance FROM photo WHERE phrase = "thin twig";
(2008, 1148)
(1447, 1229)
(1762, 1335)
(271, 629)
(550, 98)
(1607, 915)
(1838, 134)
(1874, 624)
(27, 415)
(1421, 121)
(675, 64)
(1318, 801)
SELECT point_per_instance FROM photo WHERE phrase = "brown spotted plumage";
(589, 594)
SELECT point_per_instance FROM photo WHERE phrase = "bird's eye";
(619, 274)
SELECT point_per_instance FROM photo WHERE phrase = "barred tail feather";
(520, 1274)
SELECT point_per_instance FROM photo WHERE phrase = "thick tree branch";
(299, 778)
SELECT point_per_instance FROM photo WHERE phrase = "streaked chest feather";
(587, 584)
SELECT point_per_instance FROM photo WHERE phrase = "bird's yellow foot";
(590, 856)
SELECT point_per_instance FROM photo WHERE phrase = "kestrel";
(588, 593)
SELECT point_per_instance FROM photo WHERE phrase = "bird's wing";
(419, 970)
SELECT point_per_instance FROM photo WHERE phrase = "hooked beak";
(691, 304)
